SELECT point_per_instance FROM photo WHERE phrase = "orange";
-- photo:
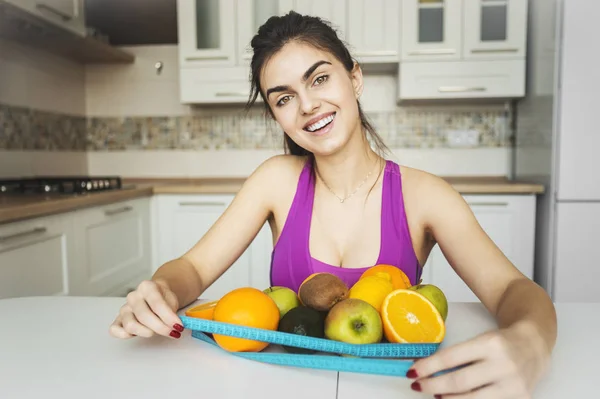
(399, 279)
(372, 289)
(247, 307)
(202, 311)
(409, 317)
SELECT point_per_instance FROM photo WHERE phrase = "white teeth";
(323, 122)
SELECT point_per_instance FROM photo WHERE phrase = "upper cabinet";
(68, 14)
(443, 49)
(206, 37)
(431, 30)
(495, 29)
(455, 49)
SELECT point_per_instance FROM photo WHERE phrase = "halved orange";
(409, 317)
(202, 311)
(398, 277)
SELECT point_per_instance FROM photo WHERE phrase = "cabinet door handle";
(434, 51)
(206, 58)
(232, 94)
(494, 50)
(62, 15)
(459, 89)
(202, 203)
(488, 203)
(112, 212)
(35, 231)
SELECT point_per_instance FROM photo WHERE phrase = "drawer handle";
(459, 89)
(434, 51)
(488, 203)
(494, 50)
(202, 203)
(112, 212)
(35, 231)
(206, 58)
(232, 94)
(62, 15)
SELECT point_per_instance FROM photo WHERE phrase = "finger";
(447, 358)
(466, 379)
(162, 303)
(116, 330)
(132, 326)
(146, 316)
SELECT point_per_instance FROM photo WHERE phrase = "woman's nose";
(308, 104)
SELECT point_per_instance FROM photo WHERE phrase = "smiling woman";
(336, 205)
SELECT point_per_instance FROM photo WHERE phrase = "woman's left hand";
(505, 363)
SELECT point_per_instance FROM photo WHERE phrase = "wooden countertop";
(19, 207)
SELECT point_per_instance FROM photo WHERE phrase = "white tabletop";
(570, 375)
(60, 346)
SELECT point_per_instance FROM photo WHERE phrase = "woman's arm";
(524, 312)
(151, 308)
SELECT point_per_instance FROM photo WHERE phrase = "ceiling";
(134, 22)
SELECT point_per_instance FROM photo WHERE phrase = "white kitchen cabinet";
(509, 220)
(68, 14)
(334, 11)
(431, 30)
(373, 31)
(457, 49)
(182, 220)
(113, 247)
(251, 14)
(495, 29)
(35, 256)
(205, 32)
(462, 79)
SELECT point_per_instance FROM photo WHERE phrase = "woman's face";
(313, 97)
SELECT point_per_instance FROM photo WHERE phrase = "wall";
(136, 123)
(42, 113)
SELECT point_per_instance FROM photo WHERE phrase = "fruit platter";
(379, 325)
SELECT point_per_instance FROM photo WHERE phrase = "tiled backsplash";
(26, 129)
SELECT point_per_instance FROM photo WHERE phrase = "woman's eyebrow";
(306, 75)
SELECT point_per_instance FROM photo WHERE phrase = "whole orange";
(247, 307)
(399, 279)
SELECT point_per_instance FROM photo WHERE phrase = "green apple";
(435, 296)
(354, 321)
(285, 298)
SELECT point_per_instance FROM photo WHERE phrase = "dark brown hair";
(271, 38)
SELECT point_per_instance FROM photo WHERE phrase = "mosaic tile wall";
(25, 129)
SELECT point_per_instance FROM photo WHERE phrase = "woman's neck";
(343, 172)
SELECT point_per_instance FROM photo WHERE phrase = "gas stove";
(59, 185)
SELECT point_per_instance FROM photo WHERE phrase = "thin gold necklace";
(342, 200)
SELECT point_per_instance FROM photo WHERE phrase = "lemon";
(372, 289)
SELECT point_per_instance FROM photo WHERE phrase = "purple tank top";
(291, 261)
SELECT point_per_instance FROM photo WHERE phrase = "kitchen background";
(138, 108)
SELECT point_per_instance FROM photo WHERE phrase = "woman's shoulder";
(277, 175)
(422, 185)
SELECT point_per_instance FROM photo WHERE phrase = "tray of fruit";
(380, 325)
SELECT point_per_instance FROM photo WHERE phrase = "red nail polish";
(175, 334)
(412, 373)
(415, 386)
(178, 327)
(437, 396)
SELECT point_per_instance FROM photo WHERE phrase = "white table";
(60, 347)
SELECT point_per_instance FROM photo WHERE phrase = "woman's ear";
(357, 80)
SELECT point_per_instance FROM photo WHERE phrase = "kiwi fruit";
(321, 291)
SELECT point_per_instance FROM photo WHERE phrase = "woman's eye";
(321, 79)
(283, 101)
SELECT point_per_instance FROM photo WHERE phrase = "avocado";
(302, 320)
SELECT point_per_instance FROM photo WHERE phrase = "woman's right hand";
(150, 309)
